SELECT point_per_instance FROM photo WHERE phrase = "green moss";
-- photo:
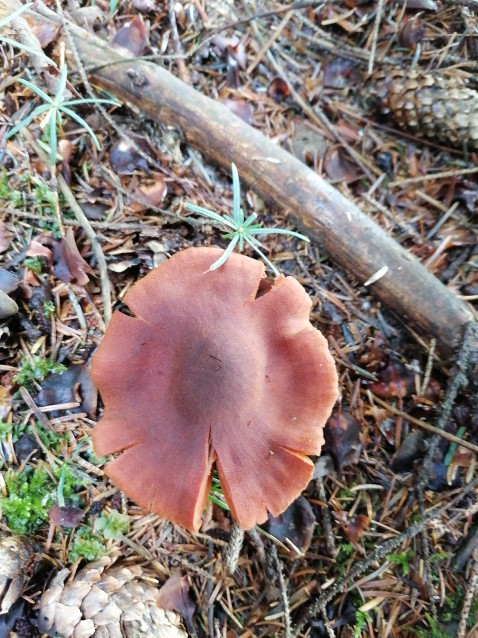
(362, 618)
(432, 631)
(36, 370)
(5, 430)
(30, 495)
(50, 439)
(402, 559)
(86, 544)
(49, 307)
(7, 194)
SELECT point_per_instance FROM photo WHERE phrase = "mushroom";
(216, 367)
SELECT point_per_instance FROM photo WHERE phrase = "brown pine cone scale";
(106, 601)
(432, 105)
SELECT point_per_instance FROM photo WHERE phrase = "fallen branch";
(352, 240)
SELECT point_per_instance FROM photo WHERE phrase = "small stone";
(7, 306)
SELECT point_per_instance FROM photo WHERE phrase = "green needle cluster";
(55, 107)
(240, 228)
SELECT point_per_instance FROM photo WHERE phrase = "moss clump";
(36, 370)
(31, 494)
(87, 545)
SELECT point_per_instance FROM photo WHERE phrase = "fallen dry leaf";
(278, 89)
(339, 168)
(353, 526)
(342, 438)
(241, 108)
(297, 524)
(174, 596)
(309, 145)
(411, 33)
(411, 449)
(45, 32)
(36, 249)
(133, 37)
(149, 194)
(394, 381)
(68, 264)
(74, 385)
(125, 160)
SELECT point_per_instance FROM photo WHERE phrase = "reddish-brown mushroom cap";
(208, 371)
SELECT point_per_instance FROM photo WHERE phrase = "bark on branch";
(352, 240)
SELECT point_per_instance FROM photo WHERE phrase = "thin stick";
(376, 27)
(269, 42)
(178, 47)
(128, 226)
(326, 520)
(429, 368)
(378, 554)
(89, 89)
(427, 568)
(426, 426)
(95, 246)
(469, 595)
(315, 114)
(430, 176)
(283, 591)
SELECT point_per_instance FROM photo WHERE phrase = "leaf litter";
(379, 476)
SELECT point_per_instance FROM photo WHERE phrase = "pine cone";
(429, 105)
(106, 602)
(16, 562)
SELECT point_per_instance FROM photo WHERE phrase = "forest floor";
(384, 541)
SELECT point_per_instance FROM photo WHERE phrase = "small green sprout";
(67, 472)
(216, 494)
(241, 229)
(54, 107)
(112, 526)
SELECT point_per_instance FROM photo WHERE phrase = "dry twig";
(378, 554)
(471, 590)
(283, 591)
